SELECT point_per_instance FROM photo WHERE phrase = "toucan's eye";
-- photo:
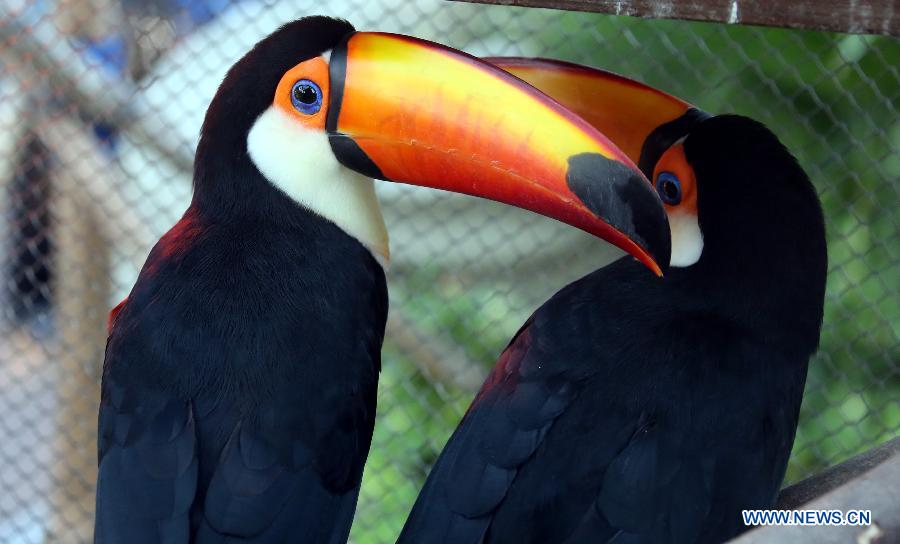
(306, 97)
(669, 188)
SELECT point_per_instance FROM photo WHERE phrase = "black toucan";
(238, 394)
(631, 408)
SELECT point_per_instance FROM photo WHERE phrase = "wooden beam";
(855, 17)
(874, 490)
(824, 482)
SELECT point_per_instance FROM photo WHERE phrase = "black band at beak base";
(663, 136)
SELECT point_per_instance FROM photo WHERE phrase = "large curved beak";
(639, 119)
(411, 111)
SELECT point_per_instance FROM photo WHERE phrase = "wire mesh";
(100, 107)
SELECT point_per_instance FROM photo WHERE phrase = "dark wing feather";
(707, 449)
(607, 421)
(148, 467)
(501, 431)
(167, 472)
(657, 489)
(261, 491)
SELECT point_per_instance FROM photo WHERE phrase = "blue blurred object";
(186, 15)
(202, 11)
(111, 52)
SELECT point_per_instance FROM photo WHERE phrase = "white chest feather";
(300, 163)
(687, 239)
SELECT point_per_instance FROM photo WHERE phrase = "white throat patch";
(300, 163)
(687, 239)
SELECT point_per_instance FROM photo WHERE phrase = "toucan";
(632, 408)
(239, 381)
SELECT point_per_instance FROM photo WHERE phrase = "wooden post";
(81, 291)
(86, 186)
(90, 219)
(858, 17)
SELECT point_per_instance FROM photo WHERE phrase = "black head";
(747, 233)
(763, 233)
(244, 94)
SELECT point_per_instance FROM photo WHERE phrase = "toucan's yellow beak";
(639, 119)
(412, 111)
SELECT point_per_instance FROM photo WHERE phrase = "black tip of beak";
(623, 199)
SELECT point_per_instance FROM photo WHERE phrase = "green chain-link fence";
(100, 106)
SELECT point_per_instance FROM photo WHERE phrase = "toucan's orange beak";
(639, 119)
(415, 112)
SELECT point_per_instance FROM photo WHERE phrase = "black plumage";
(631, 408)
(238, 395)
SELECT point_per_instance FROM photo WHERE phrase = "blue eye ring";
(306, 97)
(669, 188)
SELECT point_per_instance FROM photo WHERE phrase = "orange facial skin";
(674, 161)
(315, 70)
